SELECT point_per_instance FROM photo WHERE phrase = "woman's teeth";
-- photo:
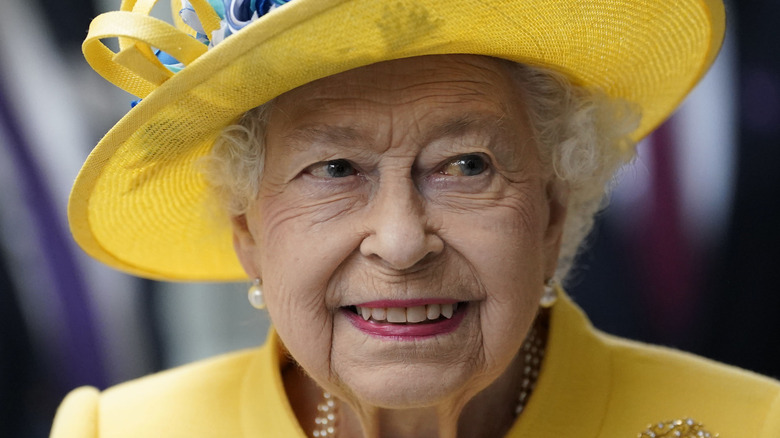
(400, 315)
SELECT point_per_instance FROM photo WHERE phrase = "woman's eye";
(465, 165)
(332, 169)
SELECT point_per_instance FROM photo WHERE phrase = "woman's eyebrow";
(305, 136)
(464, 124)
(482, 129)
(302, 138)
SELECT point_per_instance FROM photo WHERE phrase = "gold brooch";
(687, 428)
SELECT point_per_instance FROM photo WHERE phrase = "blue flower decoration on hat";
(235, 15)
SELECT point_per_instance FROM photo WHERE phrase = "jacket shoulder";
(77, 415)
(668, 385)
(184, 401)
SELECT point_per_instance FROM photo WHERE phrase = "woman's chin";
(406, 371)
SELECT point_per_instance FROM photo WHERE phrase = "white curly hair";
(583, 134)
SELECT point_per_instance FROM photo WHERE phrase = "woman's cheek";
(502, 241)
(307, 241)
(319, 200)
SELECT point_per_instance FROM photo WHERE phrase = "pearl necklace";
(533, 351)
(326, 421)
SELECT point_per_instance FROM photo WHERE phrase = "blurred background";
(684, 256)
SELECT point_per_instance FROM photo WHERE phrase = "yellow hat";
(139, 203)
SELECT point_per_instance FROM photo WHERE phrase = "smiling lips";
(407, 320)
(416, 314)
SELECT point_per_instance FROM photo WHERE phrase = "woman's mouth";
(407, 322)
(412, 315)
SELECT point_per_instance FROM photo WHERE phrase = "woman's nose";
(399, 229)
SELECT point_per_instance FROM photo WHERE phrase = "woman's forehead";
(446, 90)
(401, 78)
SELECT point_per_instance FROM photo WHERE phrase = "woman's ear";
(245, 245)
(557, 203)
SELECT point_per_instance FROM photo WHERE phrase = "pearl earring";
(255, 294)
(550, 295)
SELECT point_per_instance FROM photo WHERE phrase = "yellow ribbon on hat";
(135, 68)
(208, 18)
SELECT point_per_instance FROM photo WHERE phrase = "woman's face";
(397, 192)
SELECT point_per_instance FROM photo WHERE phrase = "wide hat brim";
(140, 203)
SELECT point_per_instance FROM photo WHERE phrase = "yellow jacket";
(591, 385)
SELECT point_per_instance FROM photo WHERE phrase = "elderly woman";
(406, 183)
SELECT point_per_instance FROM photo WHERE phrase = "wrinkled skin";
(405, 215)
